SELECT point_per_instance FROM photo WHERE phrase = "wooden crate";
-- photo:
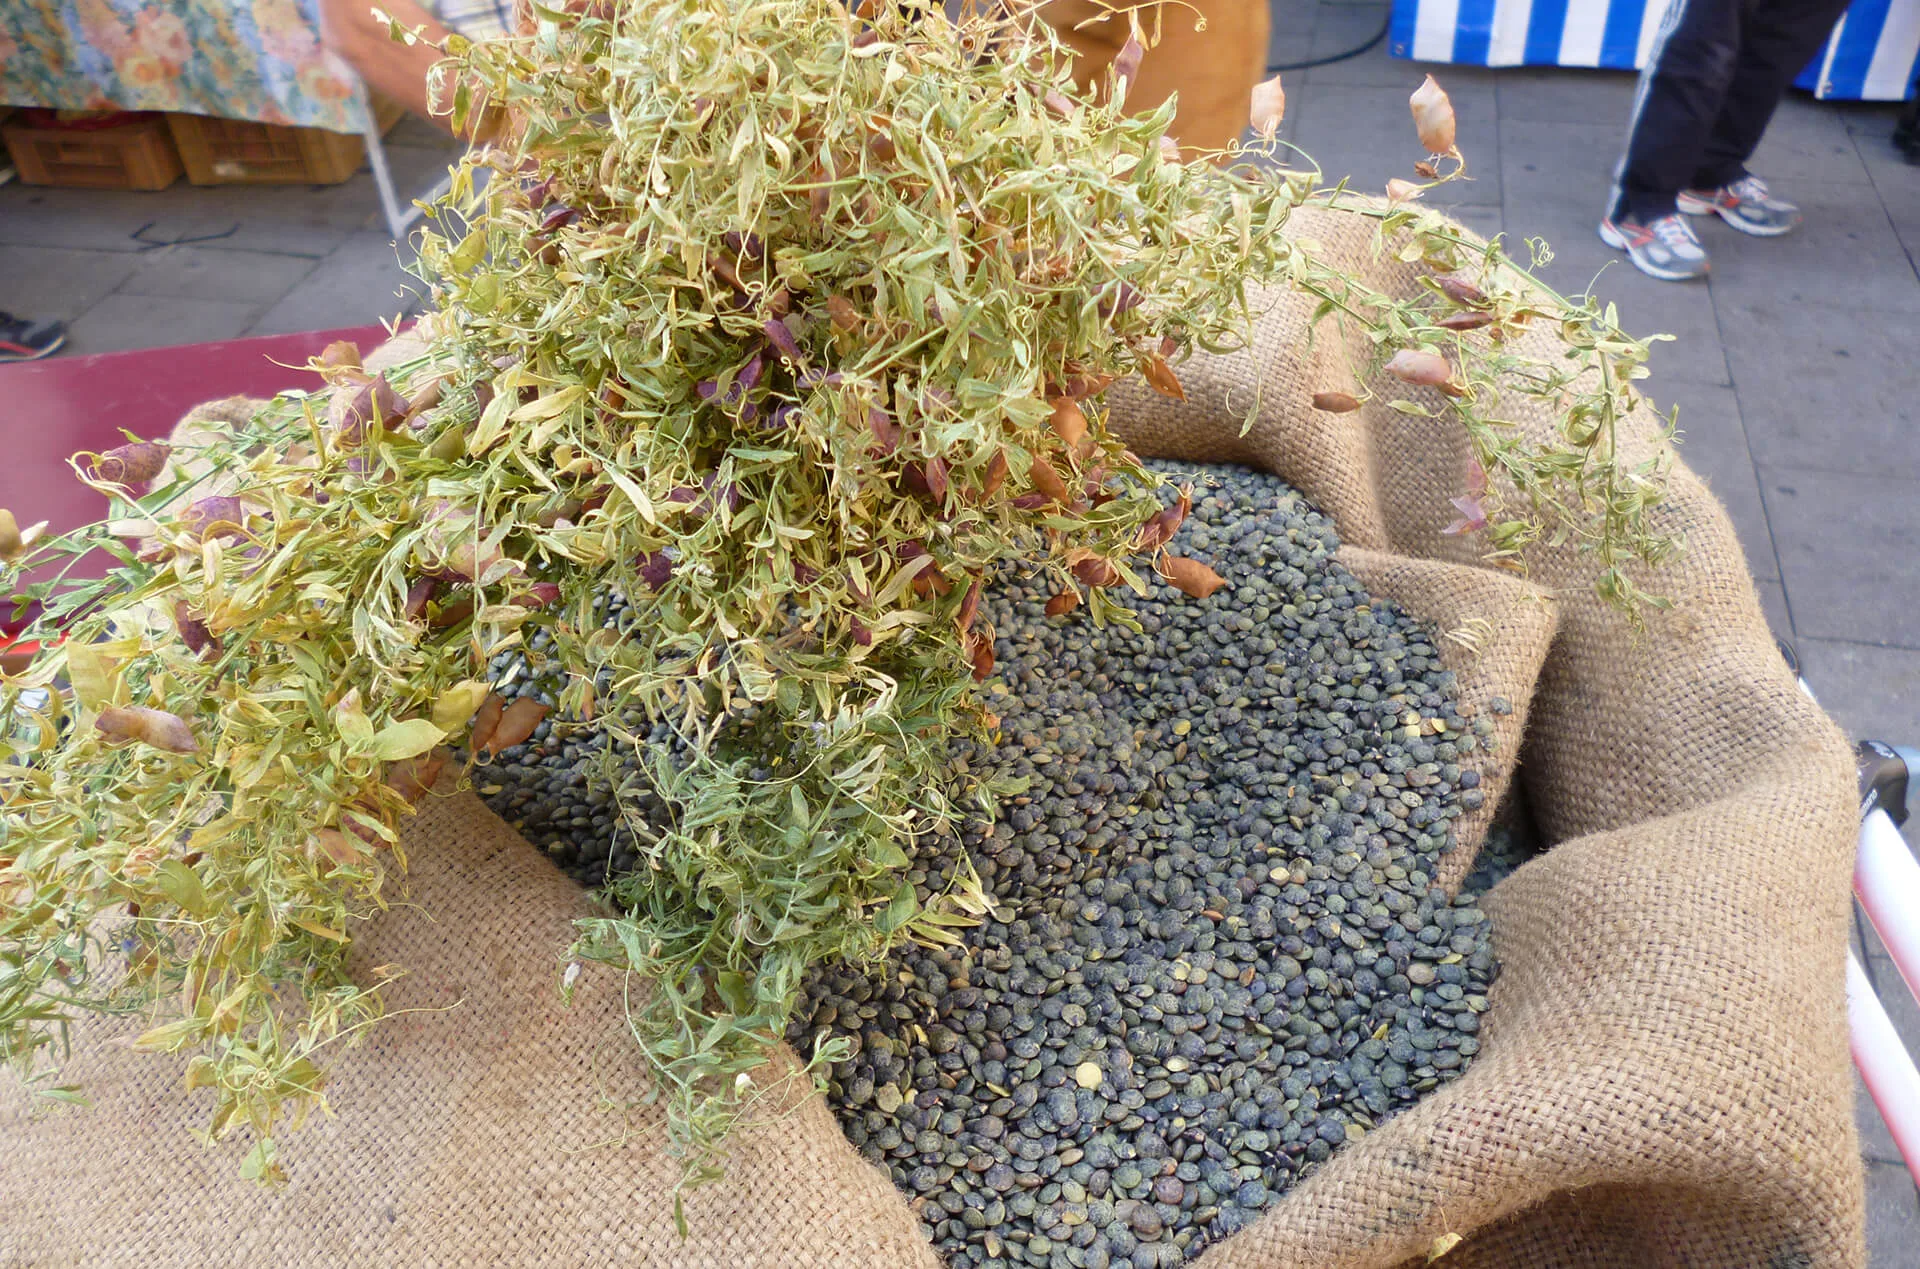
(238, 152)
(138, 154)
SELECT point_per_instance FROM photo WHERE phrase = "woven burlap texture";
(1663, 1078)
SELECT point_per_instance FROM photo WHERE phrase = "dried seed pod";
(1063, 603)
(1047, 481)
(780, 335)
(1126, 68)
(881, 147)
(1059, 103)
(539, 595)
(517, 722)
(861, 635)
(1414, 365)
(486, 721)
(419, 595)
(205, 514)
(656, 569)
(1169, 150)
(1399, 191)
(453, 614)
(1161, 379)
(843, 314)
(413, 778)
(1465, 321)
(1160, 528)
(1191, 576)
(15, 540)
(1117, 300)
(1433, 116)
(1097, 572)
(1464, 294)
(473, 560)
(747, 246)
(1068, 423)
(338, 848)
(1269, 108)
(353, 406)
(132, 464)
(996, 474)
(886, 433)
(193, 631)
(980, 653)
(154, 727)
(1030, 502)
(935, 474)
(341, 354)
(1336, 402)
(969, 607)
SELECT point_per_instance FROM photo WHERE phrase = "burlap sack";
(1663, 1077)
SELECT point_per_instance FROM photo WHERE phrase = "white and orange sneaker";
(1666, 249)
(1746, 204)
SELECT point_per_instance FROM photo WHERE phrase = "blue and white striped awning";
(1873, 56)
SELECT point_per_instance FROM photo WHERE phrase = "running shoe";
(1745, 204)
(1666, 249)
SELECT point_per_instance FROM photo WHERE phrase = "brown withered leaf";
(1063, 603)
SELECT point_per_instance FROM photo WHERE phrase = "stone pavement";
(1794, 371)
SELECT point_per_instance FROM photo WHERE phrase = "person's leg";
(1680, 97)
(1776, 43)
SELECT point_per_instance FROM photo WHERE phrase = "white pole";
(1884, 1064)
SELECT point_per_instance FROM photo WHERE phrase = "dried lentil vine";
(791, 323)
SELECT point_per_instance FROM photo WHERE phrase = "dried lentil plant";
(791, 325)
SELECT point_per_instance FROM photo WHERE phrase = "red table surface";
(52, 409)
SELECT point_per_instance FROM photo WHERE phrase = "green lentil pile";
(1217, 952)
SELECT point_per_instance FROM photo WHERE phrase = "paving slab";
(1543, 94)
(358, 283)
(1827, 386)
(1807, 144)
(121, 322)
(1713, 442)
(1847, 234)
(59, 283)
(1893, 1216)
(1846, 542)
(1873, 692)
(203, 273)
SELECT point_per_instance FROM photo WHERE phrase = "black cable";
(1331, 58)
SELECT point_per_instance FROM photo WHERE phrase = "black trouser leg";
(1777, 40)
(1682, 93)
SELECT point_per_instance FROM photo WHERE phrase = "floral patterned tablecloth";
(236, 59)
